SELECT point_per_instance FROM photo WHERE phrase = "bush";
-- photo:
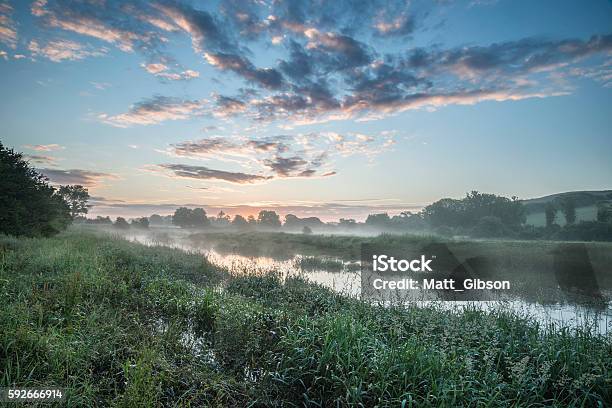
(489, 227)
(586, 231)
(444, 231)
(121, 223)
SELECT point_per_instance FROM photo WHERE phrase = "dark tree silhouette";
(468, 211)
(76, 196)
(28, 204)
(156, 219)
(378, 220)
(142, 223)
(269, 219)
(239, 221)
(121, 223)
(604, 212)
(187, 218)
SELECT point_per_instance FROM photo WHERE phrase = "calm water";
(345, 278)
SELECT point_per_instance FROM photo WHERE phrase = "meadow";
(122, 324)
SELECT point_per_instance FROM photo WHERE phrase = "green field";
(121, 324)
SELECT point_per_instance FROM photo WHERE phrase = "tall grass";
(121, 324)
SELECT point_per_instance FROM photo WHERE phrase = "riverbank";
(121, 324)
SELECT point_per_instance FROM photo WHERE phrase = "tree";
(28, 204)
(121, 223)
(407, 220)
(378, 220)
(198, 218)
(100, 220)
(239, 221)
(551, 214)
(296, 223)
(186, 218)
(222, 219)
(347, 223)
(445, 212)
(468, 211)
(604, 212)
(76, 196)
(182, 217)
(489, 227)
(291, 221)
(269, 219)
(568, 208)
(306, 230)
(141, 223)
(252, 220)
(156, 219)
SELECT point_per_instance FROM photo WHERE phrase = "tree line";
(30, 206)
(477, 215)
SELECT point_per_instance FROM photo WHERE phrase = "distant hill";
(586, 206)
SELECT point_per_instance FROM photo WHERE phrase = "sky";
(316, 108)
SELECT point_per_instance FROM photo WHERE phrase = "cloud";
(265, 77)
(343, 16)
(8, 28)
(287, 166)
(77, 176)
(423, 78)
(400, 103)
(241, 150)
(310, 99)
(205, 31)
(162, 71)
(41, 159)
(44, 148)
(100, 85)
(333, 60)
(155, 110)
(106, 21)
(336, 52)
(212, 147)
(226, 106)
(398, 26)
(59, 50)
(284, 156)
(205, 173)
(529, 55)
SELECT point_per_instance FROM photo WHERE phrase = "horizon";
(300, 211)
(333, 110)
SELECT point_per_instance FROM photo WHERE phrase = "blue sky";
(334, 109)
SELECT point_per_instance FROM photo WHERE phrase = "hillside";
(586, 205)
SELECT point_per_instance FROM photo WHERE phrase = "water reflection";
(561, 306)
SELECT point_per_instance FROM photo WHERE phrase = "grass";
(313, 263)
(120, 324)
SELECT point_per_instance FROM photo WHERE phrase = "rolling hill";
(586, 205)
